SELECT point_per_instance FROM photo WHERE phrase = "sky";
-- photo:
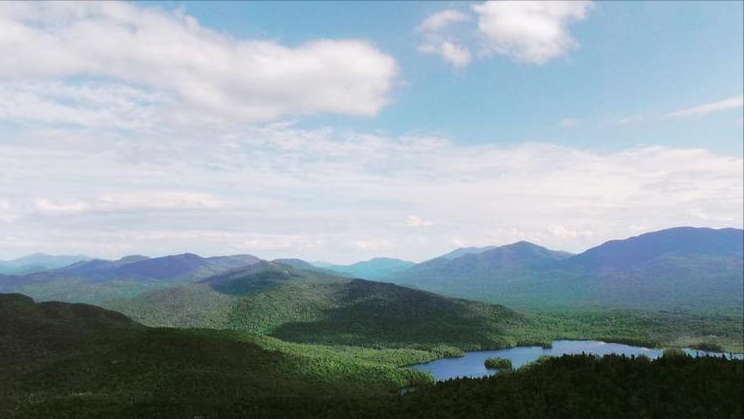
(342, 131)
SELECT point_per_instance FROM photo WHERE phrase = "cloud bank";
(277, 190)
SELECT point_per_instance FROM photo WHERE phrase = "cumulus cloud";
(202, 71)
(529, 31)
(437, 41)
(721, 105)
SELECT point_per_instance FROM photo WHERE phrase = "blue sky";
(634, 59)
(340, 131)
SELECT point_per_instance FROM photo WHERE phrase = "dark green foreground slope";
(62, 361)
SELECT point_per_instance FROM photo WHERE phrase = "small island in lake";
(496, 362)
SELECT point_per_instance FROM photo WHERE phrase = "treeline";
(569, 387)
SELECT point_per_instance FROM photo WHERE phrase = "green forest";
(82, 361)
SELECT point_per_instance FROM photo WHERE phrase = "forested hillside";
(86, 362)
(308, 306)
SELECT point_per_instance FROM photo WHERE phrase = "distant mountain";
(38, 262)
(681, 242)
(100, 280)
(376, 268)
(689, 268)
(307, 306)
(472, 265)
(161, 268)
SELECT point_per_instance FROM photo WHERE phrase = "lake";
(471, 364)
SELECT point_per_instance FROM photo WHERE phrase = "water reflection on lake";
(471, 364)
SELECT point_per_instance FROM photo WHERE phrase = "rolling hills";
(312, 307)
(681, 268)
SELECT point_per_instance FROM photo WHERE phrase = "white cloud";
(373, 244)
(93, 104)
(454, 54)
(437, 41)
(6, 212)
(324, 195)
(722, 105)
(208, 74)
(567, 233)
(627, 121)
(144, 200)
(708, 108)
(48, 207)
(443, 19)
(415, 221)
(529, 31)
(139, 201)
(285, 242)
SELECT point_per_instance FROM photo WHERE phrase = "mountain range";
(677, 268)
(681, 267)
(97, 280)
(38, 262)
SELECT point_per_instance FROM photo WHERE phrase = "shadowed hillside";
(309, 306)
(83, 360)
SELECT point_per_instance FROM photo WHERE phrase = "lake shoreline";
(471, 363)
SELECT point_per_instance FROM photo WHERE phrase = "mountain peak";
(671, 242)
(465, 251)
(132, 258)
